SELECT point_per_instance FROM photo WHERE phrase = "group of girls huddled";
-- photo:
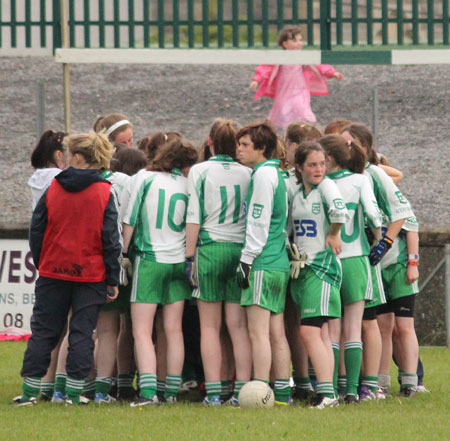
(123, 237)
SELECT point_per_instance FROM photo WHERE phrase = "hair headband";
(116, 126)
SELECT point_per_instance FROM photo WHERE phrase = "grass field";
(425, 417)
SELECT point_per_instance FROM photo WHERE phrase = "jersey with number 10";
(217, 190)
(157, 211)
(361, 205)
(309, 219)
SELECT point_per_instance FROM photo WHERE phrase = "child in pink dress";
(291, 86)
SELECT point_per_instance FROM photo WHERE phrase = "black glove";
(369, 235)
(379, 250)
(190, 272)
(242, 274)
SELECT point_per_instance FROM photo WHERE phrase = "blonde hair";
(95, 148)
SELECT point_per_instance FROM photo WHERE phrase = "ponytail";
(48, 144)
(362, 134)
(95, 148)
(224, 139)
(346, 154)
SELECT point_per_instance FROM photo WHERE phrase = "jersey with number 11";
(157, 211)
(217, 190)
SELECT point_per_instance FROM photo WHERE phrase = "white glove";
(297, 262)
(126, 270)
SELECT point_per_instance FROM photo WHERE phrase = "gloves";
(369, 235)
(297, 261)
(379, 250)
(190, 271)
(126, 269)
(242, 275)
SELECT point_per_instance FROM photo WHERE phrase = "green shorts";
(315, 297)
(122, 303)
(161, 283)
(216, 272)
(356, 280)
(395, 284)
(267, 289)
(379, 297)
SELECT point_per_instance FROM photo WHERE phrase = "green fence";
(223, 23)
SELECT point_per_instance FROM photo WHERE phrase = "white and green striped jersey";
(157, 211)
(119, 183)
(390, 199)
(217, 190)
(399, 250)
(266, 217)
(361, 205)
(310, 218)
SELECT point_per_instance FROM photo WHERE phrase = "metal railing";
(223, 23)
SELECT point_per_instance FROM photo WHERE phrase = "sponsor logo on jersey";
(400, 197)
(257, 211)
(309, 311)
(75, 271)
(339, 204)
(315, 208)
(226, 166)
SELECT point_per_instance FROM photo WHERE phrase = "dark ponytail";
(46, 147)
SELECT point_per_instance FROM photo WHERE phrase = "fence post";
(56, 25)
(66, 71)
(374, 112)
(40, 101)
(447, 292)
(325, 25)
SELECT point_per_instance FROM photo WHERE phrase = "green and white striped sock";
(102, 385)
(353, 356)
(282, 390)
(74, 388)
(60, 382)
(30, 387)
(147, 383)
(371, 383)
(336, 351)
(237, 388)
(325, 388)
(173, 383)
(213, 388)
(47, 388)
(226, 389)
(89, 388)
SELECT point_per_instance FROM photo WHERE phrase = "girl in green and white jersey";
(400, 275)
(214, 237)
(317, 213)
(397, 209)
(296, 133)
(345, 162)
(156, 214)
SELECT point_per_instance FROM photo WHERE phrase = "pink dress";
(292, 98)
(291, 87)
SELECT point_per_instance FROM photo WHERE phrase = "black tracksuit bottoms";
(53, 300)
